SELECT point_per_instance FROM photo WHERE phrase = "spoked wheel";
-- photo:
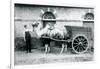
(80, 44)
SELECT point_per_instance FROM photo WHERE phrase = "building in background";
(60, 16)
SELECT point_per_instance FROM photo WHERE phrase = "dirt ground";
(39, 57)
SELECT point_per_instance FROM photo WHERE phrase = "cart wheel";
(80, 44)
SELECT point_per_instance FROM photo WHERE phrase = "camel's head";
(35, 25)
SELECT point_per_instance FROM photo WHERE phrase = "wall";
(27, 14)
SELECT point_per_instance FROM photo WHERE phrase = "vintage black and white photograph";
(52, 34)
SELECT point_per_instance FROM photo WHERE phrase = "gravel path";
(39, 57)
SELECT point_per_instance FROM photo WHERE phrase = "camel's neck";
(40, 31)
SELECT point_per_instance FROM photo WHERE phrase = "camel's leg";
(62, 49)
(66, 47)
(46, 48)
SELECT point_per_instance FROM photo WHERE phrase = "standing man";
(27, 39)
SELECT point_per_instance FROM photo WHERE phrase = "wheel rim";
(80, 44)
